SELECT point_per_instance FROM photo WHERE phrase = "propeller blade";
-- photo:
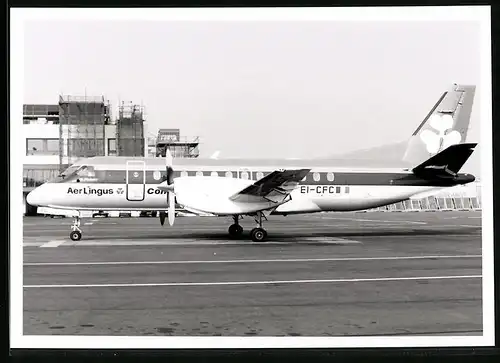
(168, 167)
(170, 181)
(162, 218)
(171, 208)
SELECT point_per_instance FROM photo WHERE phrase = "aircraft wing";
(274, 187)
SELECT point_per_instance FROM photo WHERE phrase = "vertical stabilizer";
(446, 124)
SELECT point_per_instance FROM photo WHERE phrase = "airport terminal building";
(57, 135)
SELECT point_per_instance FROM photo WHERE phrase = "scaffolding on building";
(82, 121)
(130, 130)
(180, 147)
(40, 113)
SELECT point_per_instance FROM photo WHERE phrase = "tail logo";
(445, 135)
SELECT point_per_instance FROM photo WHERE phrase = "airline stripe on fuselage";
(339, 178)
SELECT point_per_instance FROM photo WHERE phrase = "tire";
(258, 234)
(75, 235)
(235, 230)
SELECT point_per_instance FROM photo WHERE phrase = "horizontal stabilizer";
(445, 164)
(274, 187)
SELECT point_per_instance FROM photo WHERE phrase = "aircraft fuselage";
(132, 184)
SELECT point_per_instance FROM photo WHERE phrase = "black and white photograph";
(251, 178)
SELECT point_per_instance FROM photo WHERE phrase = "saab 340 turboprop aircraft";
(435, 153)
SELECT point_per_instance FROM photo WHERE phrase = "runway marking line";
(197, 242)
(226, 283)
(54, 243)
(246, 261)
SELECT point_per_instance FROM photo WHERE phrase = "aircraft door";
(136, 180)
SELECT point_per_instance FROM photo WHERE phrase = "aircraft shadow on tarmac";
(290, 237)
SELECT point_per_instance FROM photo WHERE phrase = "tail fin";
(447, 163)
(446, 124)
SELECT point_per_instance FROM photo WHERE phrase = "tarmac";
(331, 274)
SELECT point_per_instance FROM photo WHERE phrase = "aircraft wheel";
(235, 230)
(258, 234)
(75, 235)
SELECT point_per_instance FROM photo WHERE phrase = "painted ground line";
(196, 242)
(332, 259)
(54, 243)
(226, 283)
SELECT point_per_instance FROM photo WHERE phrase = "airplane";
(435, 153)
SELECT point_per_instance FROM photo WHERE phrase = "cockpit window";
(78, 171)
(70, 171)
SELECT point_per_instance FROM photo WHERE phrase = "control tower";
(180, 147)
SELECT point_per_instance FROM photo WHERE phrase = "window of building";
(229, 174)
(42, 146)
(316, 176)
(36, 177)
(53, 145)
(85, 148)
(111, 146)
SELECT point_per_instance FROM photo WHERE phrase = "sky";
(261, 89)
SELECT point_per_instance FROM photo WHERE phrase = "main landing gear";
(257, 234)
(76, 232)
(235, 230)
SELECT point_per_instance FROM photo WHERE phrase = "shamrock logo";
(445, 135)
(119, 190)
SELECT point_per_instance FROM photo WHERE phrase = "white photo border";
(18, 17)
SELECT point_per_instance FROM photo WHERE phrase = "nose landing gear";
(76, 232)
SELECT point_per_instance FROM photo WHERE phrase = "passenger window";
(214, 173)
(229, 174)
(330, 177)
(316, 176)
(337, 190)
(244, 175)
(199, 173)
(157, 175)
(184, 173)
(260, 175)
(347, 190)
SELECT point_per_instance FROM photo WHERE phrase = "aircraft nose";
(33, 197)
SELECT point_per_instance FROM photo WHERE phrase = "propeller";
(170, 192)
